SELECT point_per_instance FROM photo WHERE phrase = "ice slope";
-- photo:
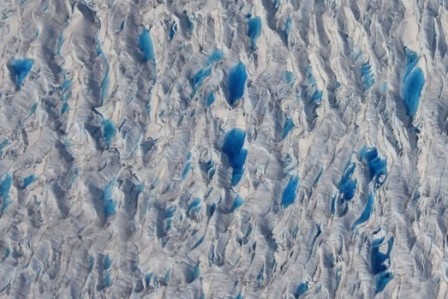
(120, 177)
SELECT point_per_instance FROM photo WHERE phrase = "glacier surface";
(223, 149)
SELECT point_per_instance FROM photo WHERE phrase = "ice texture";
(224, 149)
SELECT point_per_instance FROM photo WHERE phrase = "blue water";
(366, 212)
(237, 164)
(382, 280)
(236, 83)
(233, 148)
(413, 86)
(378, 259)
(290, 192)
(413, 82)
(254, 29)
(146, 46)
(20, 69)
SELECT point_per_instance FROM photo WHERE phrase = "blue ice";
(215, 57)
(65, 107)
(366, 213)
(107, 262)
(239, 296)
(66, 94)
(148, 277)
(211, 210)
(412, 60)
(200, 76)
(193, 273)
(237, 83)
(173, 30)
(91, 263)
(238, 166)
(122, 25)
(146, 46)
(59, 44)
(194, 206)
(382, 280)
(210, 99)
(169, 211)
(28, 180)
(109, 205)
(3, 145)
(302, 288)
(5, 187)
(169, 215)
(314, 93)
(316, 97)
(287, 28)
(413, 82)
(367, 75)
(106, 281)
(105, 85)
(310, 76)
(237, 202)
(287, 127)
(20, 69)
(254, 29)
(290, 192)
(378, 260)
(413, 86)
(377, 166)
(233, 148)
(289, 77)
(109, 130)
(66, 85)
(209, 168)
(186, 171)
(347, 186)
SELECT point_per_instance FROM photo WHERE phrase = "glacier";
(223, 149)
